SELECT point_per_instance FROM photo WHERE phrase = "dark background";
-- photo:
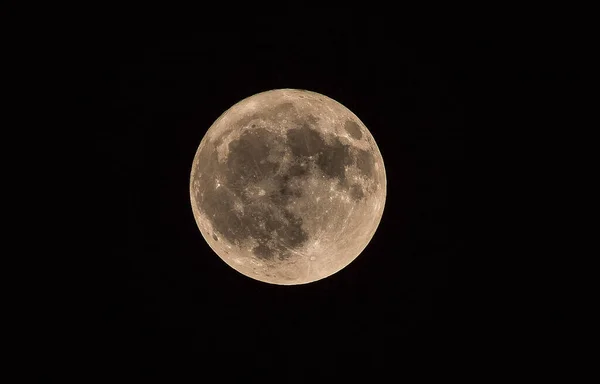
(162, 301)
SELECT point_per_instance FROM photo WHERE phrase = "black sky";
(166, 298)
(165, 304)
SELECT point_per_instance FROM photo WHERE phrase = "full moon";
(288, 186)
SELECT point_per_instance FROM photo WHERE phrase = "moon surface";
(288, 186)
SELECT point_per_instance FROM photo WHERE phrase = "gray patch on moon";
(282, 109)
(244, 162)
(262, 251)
(334, 160)
(365, 162)
(353, 129)
(240, 216)
(285, 191)
(305, 141)
(356, 192)
(311, 146)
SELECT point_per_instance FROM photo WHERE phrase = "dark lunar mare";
(353, 129)
(305, 143)
(259, 217)
(247, 163)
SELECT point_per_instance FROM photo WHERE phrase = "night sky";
(167, 298)
(165, 305)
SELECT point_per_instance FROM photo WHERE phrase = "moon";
(288, 186)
